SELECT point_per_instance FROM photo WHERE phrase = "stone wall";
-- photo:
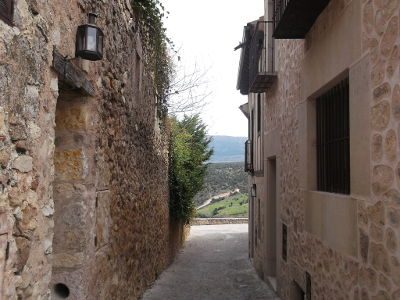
(372, 272)
(218, 221)
(84, 190)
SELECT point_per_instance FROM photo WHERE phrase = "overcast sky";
(206, 32)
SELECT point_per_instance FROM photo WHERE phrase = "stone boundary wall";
(218, 221)
(106, 155)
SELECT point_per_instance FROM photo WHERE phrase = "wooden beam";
(71, 75)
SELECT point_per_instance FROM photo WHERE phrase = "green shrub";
(188, 153)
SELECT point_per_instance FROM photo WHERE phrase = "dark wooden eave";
(294, 18)
(70, 76)
(243, 74)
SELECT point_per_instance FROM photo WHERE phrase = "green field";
(232, 207)
(221, 178)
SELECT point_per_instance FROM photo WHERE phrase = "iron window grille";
(308, 286)
(333, 140)
(259, 219)
(248, 157)
(6, 11)
(259, 113)
(284, 242)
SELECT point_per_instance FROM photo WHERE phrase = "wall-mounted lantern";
(89, 40)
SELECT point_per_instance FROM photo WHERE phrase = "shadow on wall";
(178, 233)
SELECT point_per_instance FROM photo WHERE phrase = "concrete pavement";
(213, 265)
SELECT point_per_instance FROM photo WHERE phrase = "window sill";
(332, 220)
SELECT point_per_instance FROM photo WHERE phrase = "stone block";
(396, 102)
(18, 132)
(392, 197)
(103, 175)
(391, 145)
(391, 240)
(376, 233)
(393, 62)
(393, 215)
(103, 218)
(381, 295)
(64, 190)
(382, 179)
(3, 259)
(376, 213)
(68, 164)
(390, 36)
(68, 260)
(382, 91)
(395, 266)
(377, 147)
(71, 116)
(364, 246)
(70, 232)
(379, 258)
(380, 115)
(23, 249)
(70, 240)
(23, 163)
(368, 278)
(4, 224)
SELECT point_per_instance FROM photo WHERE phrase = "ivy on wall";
(189, 142)
(150, 15)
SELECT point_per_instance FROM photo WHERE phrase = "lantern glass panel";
(91, 35)
(80, 39)
(100, 43)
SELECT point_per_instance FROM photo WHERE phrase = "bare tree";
(188, 90)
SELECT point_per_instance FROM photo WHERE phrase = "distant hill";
(227, 149)
(221, 178)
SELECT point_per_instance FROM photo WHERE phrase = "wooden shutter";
(6, 11)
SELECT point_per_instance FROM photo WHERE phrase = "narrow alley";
(213, 265)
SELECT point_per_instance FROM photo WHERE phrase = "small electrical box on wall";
(284, 242)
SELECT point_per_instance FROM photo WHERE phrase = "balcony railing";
(248, 164)
(294, 18)
(261, 62)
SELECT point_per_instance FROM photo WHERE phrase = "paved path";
(207, 202)
(214, 265)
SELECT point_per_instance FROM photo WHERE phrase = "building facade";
(83, 155)
(323, 86)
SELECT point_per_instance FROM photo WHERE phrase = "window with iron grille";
(284, 242)
(308, 286)
(252, 125)
(333, 140)
(259, 219)
(6, 11)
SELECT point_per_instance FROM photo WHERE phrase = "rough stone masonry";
(83, 179)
